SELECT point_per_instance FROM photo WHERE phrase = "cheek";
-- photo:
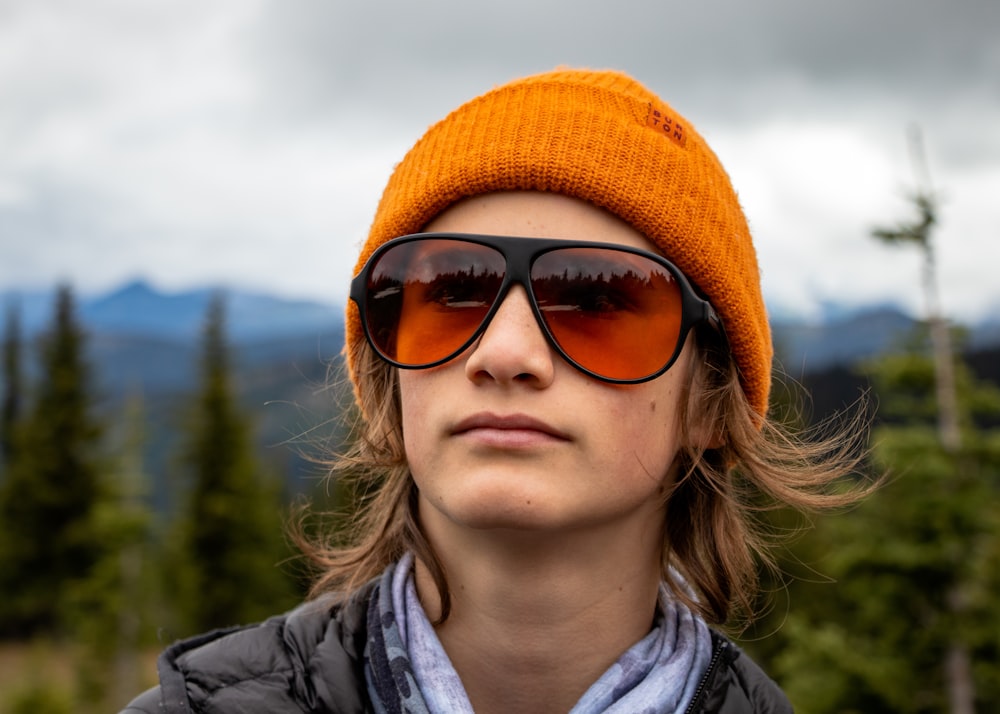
(420, 408)
(413, 402)
(660, 443)
(646, 432)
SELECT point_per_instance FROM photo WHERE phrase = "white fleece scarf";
(660, 673)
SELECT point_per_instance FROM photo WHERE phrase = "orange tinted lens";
(426, 298)
(616, 314)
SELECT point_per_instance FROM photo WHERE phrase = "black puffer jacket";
(311, 661)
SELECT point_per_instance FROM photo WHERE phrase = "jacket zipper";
(712, 664)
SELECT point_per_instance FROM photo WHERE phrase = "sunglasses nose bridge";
(519, 255)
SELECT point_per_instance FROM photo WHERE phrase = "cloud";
(247, 141)
(910, 46)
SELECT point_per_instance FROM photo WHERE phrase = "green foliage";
(10, 411)
(85, 563)
(907, 389)
(74, 529)
(230, 532)
(38, 679)
(106, 609)
(37, 698)
(883, 592)
(917, 231)
(50, 490)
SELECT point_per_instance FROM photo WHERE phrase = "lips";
(513, 423)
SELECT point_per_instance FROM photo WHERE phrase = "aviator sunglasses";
(616, 313)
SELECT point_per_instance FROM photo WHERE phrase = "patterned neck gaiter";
(408, 671)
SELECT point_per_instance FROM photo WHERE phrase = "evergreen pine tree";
(871, 610)
(10, 412)
(231, 529)
(47, 498)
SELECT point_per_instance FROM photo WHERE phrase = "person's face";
(509, 435)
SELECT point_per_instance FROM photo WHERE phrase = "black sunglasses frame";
(519, 256)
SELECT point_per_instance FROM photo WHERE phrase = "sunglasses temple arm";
(709, 315)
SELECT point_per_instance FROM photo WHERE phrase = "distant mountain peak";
(139, 286)
(139, 308)
(138, 290)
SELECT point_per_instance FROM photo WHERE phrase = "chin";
(488, 510)
(499, 515)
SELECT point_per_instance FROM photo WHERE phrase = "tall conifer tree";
(231, 527)
(10, 412)
(47, 499)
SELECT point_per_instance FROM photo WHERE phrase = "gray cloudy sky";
(246, 142)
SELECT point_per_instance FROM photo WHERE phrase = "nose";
(513, 348)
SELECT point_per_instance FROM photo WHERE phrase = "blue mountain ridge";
(138, 309)
(137, 317)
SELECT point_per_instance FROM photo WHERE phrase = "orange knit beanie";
(603, 137)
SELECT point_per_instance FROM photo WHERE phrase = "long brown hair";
(713, 534)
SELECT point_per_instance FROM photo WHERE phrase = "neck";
(550, 612)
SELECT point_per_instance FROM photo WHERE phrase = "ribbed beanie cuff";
(602, 137)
